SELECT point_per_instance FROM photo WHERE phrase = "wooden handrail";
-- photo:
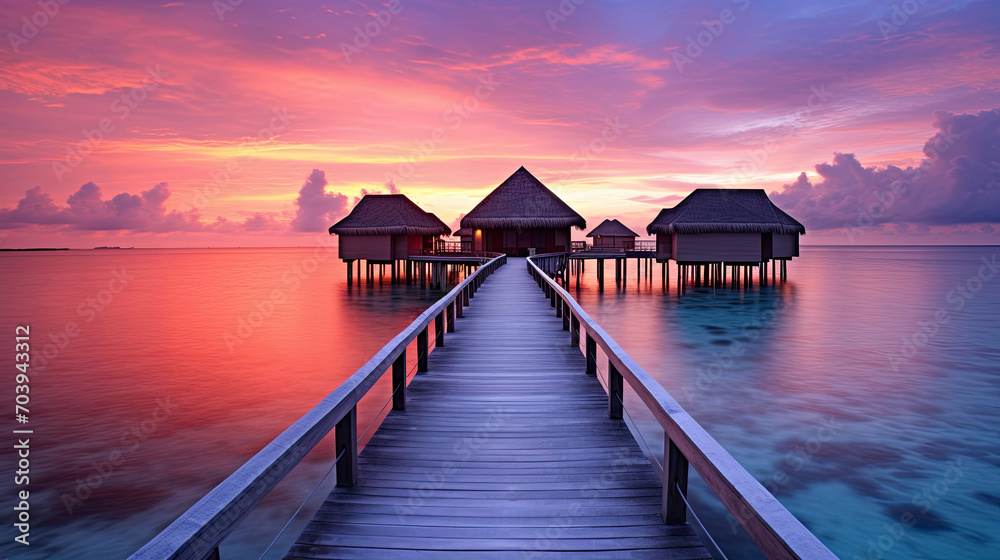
(197, 533)
(777, 533)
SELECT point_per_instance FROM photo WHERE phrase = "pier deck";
(505, 450)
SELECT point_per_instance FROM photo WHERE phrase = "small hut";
(465, 237)
(521, 215)
(725, 225)
(385, 228)
(612, 234)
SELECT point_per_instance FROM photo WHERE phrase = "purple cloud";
(87, 210)
(958, 182)
(317, 209)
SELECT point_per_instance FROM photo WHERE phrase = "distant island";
(39, 249)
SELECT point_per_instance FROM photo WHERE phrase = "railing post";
(465, 295)
(557, 303)
(565, 315)
(439, 330)
(346, 438)
(675, 473)
(458, 306)
(616, 394)
(399, 382)
(451, 317)
(574, 331)
(422, 350)
(591, 356)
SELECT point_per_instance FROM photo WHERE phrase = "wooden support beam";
(675, 474)
(399, 382)
(451, 317)
(439, 330)
(346, 441)
(591, 355)
(616, 392)
(574, 331)
(422, 350)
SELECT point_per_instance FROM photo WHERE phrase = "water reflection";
(860, 393)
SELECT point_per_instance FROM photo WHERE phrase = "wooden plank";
(505, 449)
(776, 532)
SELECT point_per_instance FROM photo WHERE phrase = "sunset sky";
(201, 123)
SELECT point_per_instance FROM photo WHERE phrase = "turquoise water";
(809, 402)
(864, 392)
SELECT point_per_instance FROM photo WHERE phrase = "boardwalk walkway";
(505, 450)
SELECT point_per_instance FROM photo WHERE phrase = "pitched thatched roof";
(612, 228)
(725, 211)
(465, 232)
(522, 201)
(389, 214)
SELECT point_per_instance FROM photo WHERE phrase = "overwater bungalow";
(739, 227)
(384, 229)
(465, 237)
(612, 234)
(521, 215)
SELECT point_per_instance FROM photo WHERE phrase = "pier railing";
(197, 533)
(777, 533)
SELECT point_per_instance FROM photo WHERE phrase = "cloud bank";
(317, 209)
(957, 183)
(146, 212)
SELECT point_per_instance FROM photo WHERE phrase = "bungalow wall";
(785, 245)
(466, 241)
(516, 242)
(614, 242)
(383, 247)
(369, 247)
(717, 247)
(664, 246)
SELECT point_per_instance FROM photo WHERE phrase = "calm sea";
(862, 392)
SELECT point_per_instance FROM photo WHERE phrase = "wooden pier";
(505, 449)
(503, 445)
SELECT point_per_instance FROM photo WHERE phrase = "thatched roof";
(522, 201)
(725, 211)
(389, 214)
(612, 228)
(465, 232)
